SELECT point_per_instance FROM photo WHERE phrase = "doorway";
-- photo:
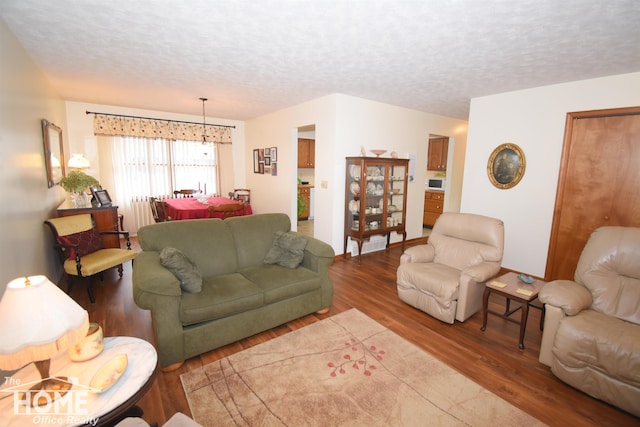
(306, 180)
(598, 185)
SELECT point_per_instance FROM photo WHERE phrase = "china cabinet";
(375, 199)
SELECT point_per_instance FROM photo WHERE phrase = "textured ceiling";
(255, 57)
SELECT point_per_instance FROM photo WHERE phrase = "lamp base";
(46, 391)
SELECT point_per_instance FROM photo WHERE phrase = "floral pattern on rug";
(288, 381)
(358, 359)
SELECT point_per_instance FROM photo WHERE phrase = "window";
(144, 167)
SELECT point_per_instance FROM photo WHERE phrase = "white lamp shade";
(78, 161)
(37, 321)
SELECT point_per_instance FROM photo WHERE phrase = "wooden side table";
(85, 407)
(510, 287)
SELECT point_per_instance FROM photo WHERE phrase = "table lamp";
(79, 161)
(38, 321)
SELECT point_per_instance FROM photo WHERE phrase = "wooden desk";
(85, 406)
(192, 208)
(106, 219)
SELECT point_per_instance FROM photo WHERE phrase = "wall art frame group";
(265, 161)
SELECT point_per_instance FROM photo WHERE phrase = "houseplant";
(76, 182)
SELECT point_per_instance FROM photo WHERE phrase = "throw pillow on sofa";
(287, 249)
(183, 268)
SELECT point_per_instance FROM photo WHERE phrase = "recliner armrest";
(420, 253)
(571, 297)
(483, 271)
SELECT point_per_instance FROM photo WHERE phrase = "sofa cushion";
(253, 235)
(287, 249)
(220, 296)
(280, 283)
(600, 342)
(207, 242)
(183, 268)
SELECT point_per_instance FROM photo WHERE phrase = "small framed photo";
(267, 152)
(256, 161)
(274, 154)
(102, 197)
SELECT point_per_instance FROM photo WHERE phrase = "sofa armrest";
(150, 277)
(482, 272)
(315, 250)
(567, 295)
(420, 253)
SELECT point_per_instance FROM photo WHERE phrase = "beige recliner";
(445, 278)
(591, 337)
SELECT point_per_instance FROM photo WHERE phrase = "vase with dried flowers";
(76, 182)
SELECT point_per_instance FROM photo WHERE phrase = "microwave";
(436, 184)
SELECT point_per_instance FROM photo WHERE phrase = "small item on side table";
(526, 279)
(90, 346)
(109, 373)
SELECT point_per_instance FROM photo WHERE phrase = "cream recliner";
(591, 337)
(445, 278)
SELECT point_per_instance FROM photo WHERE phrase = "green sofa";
(241, 295)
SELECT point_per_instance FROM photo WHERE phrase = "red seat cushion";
(88, 241)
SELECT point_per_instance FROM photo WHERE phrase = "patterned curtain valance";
(112, 125)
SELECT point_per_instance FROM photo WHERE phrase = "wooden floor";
(490, 358)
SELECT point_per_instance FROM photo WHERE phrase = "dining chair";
(160, 210)
(242, 194)
(81, 250)
(184, 193)
(227, 210)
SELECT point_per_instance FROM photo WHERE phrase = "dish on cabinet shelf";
(353, 207)
(373, 171)
(371, 187)
(355, 188)
(355, 172)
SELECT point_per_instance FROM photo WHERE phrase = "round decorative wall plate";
(506, 166)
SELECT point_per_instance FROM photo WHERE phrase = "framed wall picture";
(256, 161)
(274, 154)
(53, 152)
(506, 166)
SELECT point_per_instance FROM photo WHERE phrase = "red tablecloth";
(191, 208)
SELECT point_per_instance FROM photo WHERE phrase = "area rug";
(346, 370)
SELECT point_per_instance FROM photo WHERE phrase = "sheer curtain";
(138, 168)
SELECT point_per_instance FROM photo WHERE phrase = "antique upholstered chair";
(446, 277)
(227, 210)
(81, 250)
(591, 337)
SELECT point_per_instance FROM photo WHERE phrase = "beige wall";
(25, 98)
(342, 125)
(534, 119)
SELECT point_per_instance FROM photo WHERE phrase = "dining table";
(198, 207)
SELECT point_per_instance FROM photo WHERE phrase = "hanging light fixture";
(204, 122)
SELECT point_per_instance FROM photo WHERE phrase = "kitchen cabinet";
(433, 204)
(375, 199)
(437, 154)
(306, 153)
(305, 193)
(105, 218)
